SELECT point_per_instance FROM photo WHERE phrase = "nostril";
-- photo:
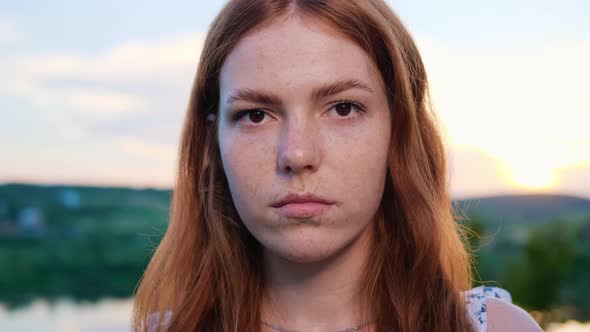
(298, 156)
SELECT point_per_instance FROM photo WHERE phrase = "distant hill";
(539, 208)
(55, 211)
(516, 209)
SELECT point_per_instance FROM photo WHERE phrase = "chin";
(306, 246)
(312, 255)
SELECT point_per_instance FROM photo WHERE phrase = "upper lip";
(300, 198)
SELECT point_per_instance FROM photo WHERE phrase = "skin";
(505, 316)
(304, 145)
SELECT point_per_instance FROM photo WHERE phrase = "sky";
(95, 92)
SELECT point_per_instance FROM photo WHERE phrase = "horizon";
(171, 188)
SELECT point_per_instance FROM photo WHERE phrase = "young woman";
(311, 192)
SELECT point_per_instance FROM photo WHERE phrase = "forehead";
(295, 55)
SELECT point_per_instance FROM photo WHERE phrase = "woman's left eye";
(345, 108)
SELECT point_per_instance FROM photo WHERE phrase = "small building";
(69, 198)
(31, 221)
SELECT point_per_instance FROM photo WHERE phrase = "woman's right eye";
(251, 115)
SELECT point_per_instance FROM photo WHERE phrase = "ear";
(507, 317)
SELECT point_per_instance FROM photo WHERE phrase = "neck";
(317, 296)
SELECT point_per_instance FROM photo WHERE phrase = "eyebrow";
(326, 90)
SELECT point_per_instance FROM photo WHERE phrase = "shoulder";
(491, 309)
(505, 316)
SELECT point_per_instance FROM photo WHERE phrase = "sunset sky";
(95, 92)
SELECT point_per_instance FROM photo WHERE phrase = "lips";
(301, 205)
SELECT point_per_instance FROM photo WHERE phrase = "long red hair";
(207, 269)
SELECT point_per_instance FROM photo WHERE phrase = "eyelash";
(240, 113)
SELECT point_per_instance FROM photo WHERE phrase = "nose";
(299, 147)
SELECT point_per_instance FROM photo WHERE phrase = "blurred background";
(92, 96)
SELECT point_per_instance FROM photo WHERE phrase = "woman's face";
(318, 125)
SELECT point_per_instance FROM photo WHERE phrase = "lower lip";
(302, 210)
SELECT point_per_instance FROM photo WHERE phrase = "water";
(107, 315)
(569, 326)
(113, 315)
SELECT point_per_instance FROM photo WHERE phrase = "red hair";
(207, 268)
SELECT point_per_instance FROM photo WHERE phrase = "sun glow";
(524, 119)
(533, 178)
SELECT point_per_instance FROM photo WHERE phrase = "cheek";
(361, 163)
(247, 165)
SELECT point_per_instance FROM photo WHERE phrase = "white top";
(475, 299)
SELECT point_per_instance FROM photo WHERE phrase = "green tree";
(548, 256)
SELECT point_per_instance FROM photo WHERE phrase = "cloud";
(118, 71)
(132, 95)
(161, 152)
(98, 101)
(8, 31)
(113, 117)
(473, 172)
(105, 102)
(130, 61)
(575, 179)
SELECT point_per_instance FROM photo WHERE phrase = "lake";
(113, 315)
(107, 315)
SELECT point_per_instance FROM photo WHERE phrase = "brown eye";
(256, 116)
(347, 109)
(251, 117)
(344, 109)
